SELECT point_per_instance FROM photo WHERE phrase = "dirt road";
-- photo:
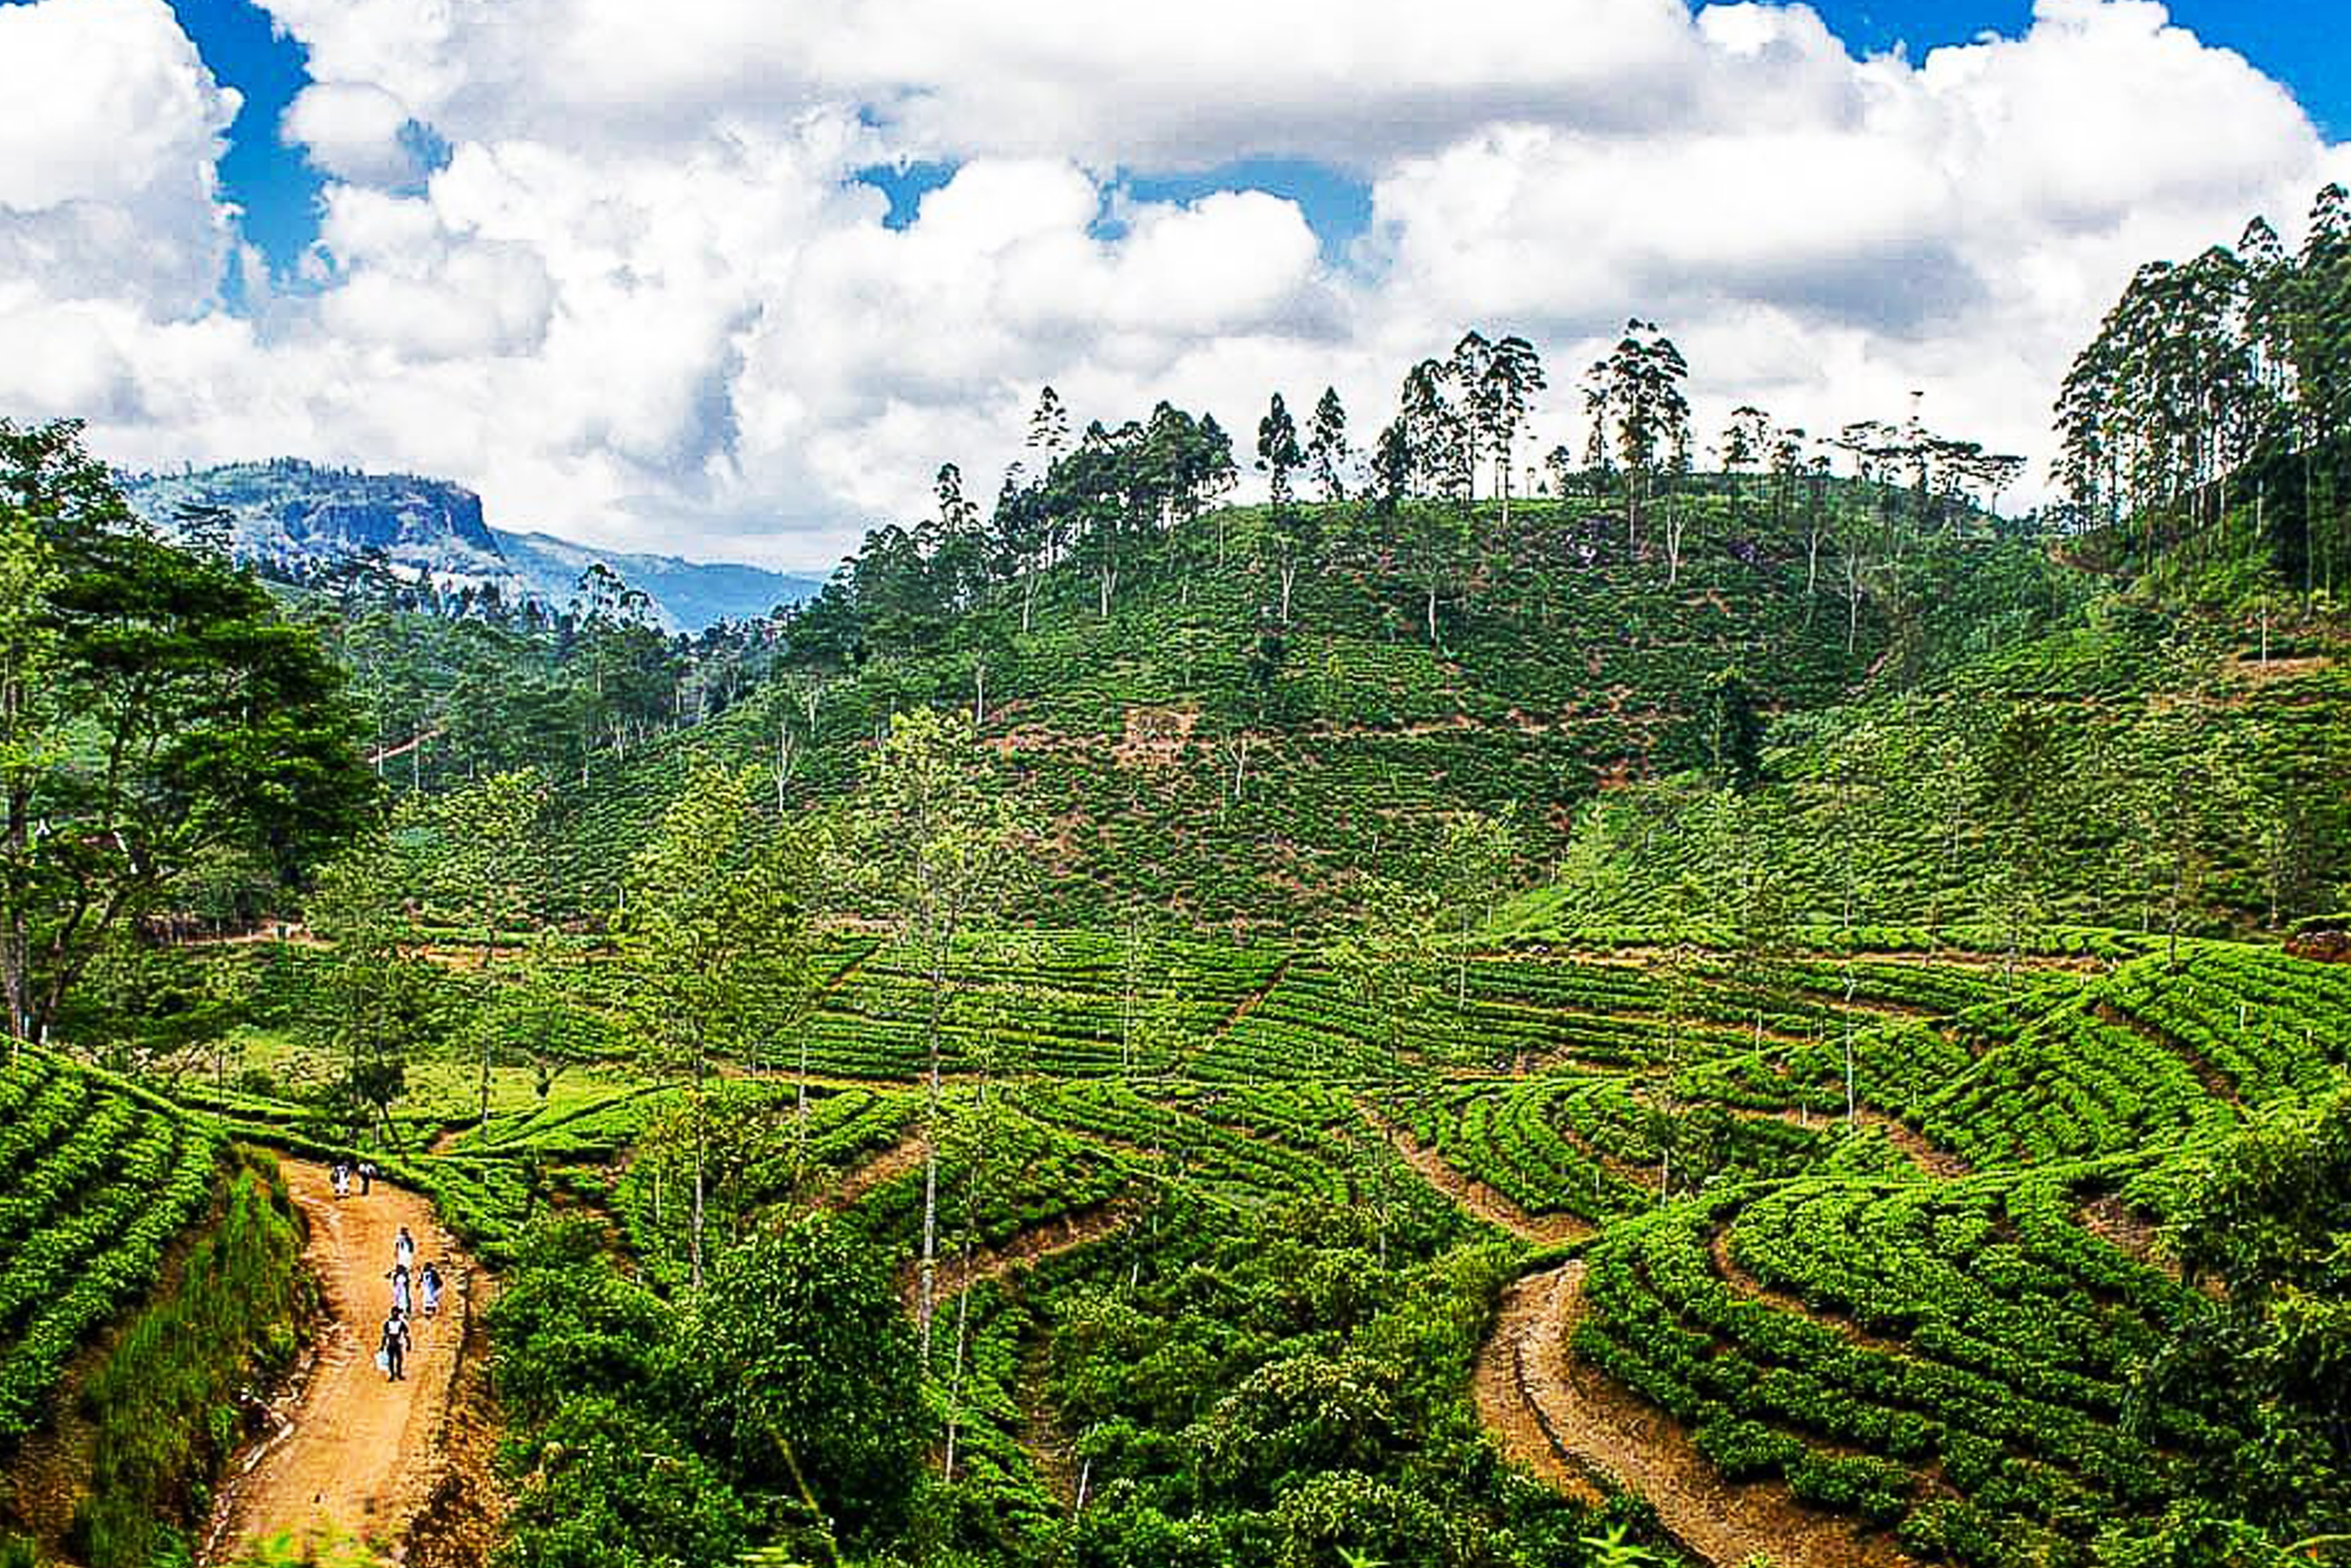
(356, 1455)
(1474, 1195)
(1567, 1423)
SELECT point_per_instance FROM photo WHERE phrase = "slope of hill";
(1191, 751)
(1837, 1251)
(149, 1283)
(2138, 766)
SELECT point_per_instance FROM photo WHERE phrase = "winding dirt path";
(1579, 1430)
(1474, 1195)
(355, 1454)
(957, 1272)
(886, 1165)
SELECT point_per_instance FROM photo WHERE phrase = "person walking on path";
(367, 1177)
(404, 1249)
(393, 1352)
(399, 1299)
(430, 1278)
(342, 1179)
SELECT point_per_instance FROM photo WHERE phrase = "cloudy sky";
(731, 278)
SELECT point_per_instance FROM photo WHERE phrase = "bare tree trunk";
(954, 1380)
(801, 1107)
(15, 943)
(931, 1168)
(694, 1229)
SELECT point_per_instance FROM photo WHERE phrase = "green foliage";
(2268, 1215)
(568, 1324)
(716, 930)
(165, 1404)
(180, 720)
(2131, 770)
(98, 1183)
(800, 1368)
(610, 1487)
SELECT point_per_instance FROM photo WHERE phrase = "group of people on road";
(412, 1288)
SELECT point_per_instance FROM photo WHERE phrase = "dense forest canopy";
(2220, 383)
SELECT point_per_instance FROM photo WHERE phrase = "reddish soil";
(1747, 1284)
(2121, 1227)
(1644, 958)
(960, 1271)
(1932, 1159)
(906, 1155)
(2217, 1083)
(1255, 1000)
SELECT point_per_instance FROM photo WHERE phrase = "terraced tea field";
(96, 1182)
(1855, 1235)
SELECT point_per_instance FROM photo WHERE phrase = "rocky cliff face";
(299, 519)
(291, 515)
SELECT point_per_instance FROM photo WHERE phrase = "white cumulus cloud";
(645, 301)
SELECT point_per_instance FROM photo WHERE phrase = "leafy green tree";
(1277, 453)
(1392, 465)
(801, 1371)
(1327, 452)
(491, 844)
(383, 1004)
(1434, 433)
(1501, 399)
(716, 931)
(612, 1490)
(1639, 412)
(1735, 734)
(1476, 862)
(2268, 1219)
(156, 711)
(627, 675)
(1049, 427)
(939, 848)
(567, 1322)
(1391, 960)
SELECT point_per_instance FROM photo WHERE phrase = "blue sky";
(2302, 43)
(2295, 41)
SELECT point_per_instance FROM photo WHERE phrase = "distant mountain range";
(293, 517)
(691, 594)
